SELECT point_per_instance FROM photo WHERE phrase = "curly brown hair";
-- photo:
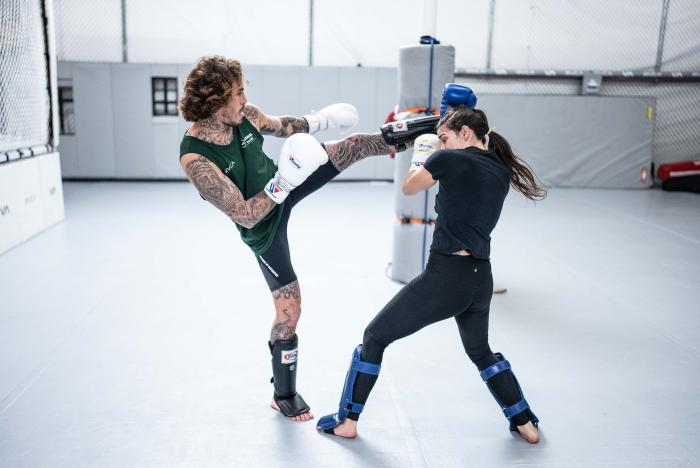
(208, 86)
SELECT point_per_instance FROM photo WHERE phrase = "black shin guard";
(506, 391)
(403, 131)
(284, 372)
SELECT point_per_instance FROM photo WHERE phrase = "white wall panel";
(577, 34)
(176, 31)
(20, 204)
(266, 32)
(682, 44)
(88, 30)
(364, 32)
(465, 26)
(50, 189)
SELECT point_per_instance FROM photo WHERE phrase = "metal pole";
(311, 33)
(662, 35)
(489, 45)
(47, 13)
(125, 56)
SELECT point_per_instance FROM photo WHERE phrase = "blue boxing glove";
(454, 95)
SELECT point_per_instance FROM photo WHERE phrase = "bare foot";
(529, 432)
(347, 429)
(302, 417)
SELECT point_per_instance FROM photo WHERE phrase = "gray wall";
(577, 141)
(118, 137)
(676, 110)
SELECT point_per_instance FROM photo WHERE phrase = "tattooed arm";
(218, 190)
(278, 126)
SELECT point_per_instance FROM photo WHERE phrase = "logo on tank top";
(230, 167)
(249, 138)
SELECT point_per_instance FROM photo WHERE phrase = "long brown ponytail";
(522, 178)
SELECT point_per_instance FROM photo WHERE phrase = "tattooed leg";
(287, 301)
(355, 147)
(286, 399)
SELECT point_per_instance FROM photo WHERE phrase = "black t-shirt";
(473, 185)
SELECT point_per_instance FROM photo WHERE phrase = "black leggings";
(451, 286)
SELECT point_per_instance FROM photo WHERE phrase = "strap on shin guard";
(508, 410)
(347, 404)
(284, 372)
(402, 131)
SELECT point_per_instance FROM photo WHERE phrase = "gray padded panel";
(133, 120)
(373, 95)
(255, 87)
(358, 86)
(385, 99)
(414, 74)
(166, 138)
(282, 87)
(92, 93)
(182, 72)
(64, 70)
(164, 69)
(69, 156)
(142, 143)
(577, 141)
(407, 250)
(318, 87)
(387, 91)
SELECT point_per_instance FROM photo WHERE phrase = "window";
(66, 110)
(164, 95)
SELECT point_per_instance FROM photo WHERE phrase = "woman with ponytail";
(475, 167)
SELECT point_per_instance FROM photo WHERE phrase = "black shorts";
(275, 263)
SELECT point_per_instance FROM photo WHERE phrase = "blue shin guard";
(508, 410)
(347, 405)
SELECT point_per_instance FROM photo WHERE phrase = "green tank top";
(244, 162)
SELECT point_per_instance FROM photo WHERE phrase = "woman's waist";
(461, 257)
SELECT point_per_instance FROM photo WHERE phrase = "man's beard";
(233, 123)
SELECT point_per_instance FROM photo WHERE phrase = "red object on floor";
(678, 169)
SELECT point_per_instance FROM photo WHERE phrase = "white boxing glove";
(423, 147)
(342, 115)
(300, 156)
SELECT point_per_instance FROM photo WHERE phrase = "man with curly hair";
(222, 156)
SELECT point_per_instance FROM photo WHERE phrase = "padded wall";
(31, 198)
